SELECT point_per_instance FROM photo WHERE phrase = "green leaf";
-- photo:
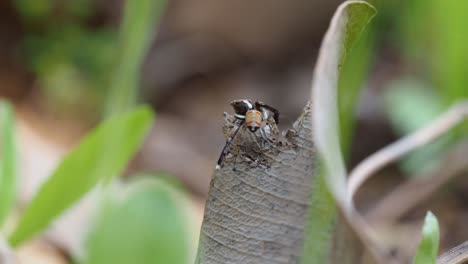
(148, 226)
(102, 154)
(347, 24)
(136, 33)
(429, 245)
(353, 73)
(8, 155)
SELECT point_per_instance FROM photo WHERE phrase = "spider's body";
(253, 120)
(252, 116)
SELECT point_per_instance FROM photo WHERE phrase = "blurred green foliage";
(72, 66)
(92, 69)
(411, 104)
(38, 11)
(148, 225)
(102, 154)
(70, 57)
(8, 160)
(136, 33)
(434, 33)
(431, 36)
(82, 67)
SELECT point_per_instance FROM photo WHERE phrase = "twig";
(258, 201)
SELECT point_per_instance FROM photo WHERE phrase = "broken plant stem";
(258, 202)
(454, 116)
(411, 193)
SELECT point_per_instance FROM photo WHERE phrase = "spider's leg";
(264, 136)
(259, 105)
(229, 140)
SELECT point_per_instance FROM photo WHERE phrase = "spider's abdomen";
(253, 120)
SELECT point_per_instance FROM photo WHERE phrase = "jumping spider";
(252, 116)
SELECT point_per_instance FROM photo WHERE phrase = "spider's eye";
(241, 107)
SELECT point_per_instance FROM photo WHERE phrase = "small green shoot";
(429, 245)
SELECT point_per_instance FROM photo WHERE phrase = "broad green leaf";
(136, 33)
(429, 245)
(148, 226)
(102, 154)
(347, 24)
(8, 155)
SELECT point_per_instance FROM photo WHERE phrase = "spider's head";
(241, 107)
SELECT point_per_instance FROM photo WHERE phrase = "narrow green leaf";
(8, 155)
(103, 153)
(149, 226)
(136, 33)
(429, 245)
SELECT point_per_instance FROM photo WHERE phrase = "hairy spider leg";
(229, 140)
(260, 106)
(264, 134)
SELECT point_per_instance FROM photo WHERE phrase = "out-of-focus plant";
(148, 225)
(340, 51)
(347, 23)
(411, 104)
(136, 33)
(431, 36)
(79, 65)
(429, 245)
(8, 155)
(69, 56)
(99, 156)
(72, 66)
(38, 11)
